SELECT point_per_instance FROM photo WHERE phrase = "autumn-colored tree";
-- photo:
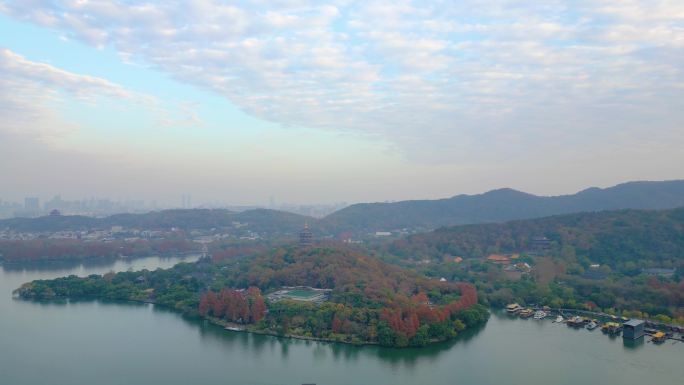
(234, 305)
(207, 303)
(336, 325)
(257, 306)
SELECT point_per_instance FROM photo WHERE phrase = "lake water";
(113, 343)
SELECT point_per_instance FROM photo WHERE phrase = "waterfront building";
(633, 329)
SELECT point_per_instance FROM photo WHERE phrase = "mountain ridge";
(502, 205)
(494, 206)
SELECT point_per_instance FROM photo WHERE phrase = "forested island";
(368, 302)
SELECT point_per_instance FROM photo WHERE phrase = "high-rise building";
(31, 203)
(185, 201)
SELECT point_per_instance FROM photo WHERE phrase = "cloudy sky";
(350, 101)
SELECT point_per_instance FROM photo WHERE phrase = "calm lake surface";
(113, 343)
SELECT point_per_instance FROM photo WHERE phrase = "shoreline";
(242, 329)
(22, 263)
(238, 328)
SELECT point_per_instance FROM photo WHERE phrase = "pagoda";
(305, 236)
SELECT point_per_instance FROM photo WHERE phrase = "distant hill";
(500, 206)
(643, 237)
(258, 220)
(418, 215)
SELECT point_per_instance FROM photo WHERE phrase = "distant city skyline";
(33, 206)
(318, 102)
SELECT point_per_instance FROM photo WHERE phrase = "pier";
(658, 331)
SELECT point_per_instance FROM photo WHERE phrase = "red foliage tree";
(207, 303)
(234, 305)
(336, 325)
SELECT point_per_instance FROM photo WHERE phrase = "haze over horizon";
(338, 101)
(141, 204)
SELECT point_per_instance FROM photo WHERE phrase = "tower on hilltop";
(305, 236)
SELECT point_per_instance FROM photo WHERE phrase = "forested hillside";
(361, 219)
(590, 261)
(610, 237)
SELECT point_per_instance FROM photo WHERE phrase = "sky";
(320, 102)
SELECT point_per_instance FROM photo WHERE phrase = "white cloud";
(31, 94)
(81, 86)
(31, 91)
(452, 77)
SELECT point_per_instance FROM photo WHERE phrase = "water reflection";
(56, 266)
(62, 302)
(255, 345)
(79, 340)
(252, 344)
(95, 265)
(633, 344)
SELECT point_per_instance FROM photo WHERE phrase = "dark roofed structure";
(633, 329)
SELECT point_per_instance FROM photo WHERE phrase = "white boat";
(559, 319)
(539, 314)
(592, 325)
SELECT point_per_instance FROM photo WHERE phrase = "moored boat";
(526, 313)
(559, 319)
(658, 337)
(612, 328)
(576, 322)
(540, 314)
(513, 308)
(592, 325)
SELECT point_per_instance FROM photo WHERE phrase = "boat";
(612, 328)
(526, 313)
(592, 325)
(513, 308)
(559, 319)
(576, 322)
(540, 314)
(658, 337)
(234, 329)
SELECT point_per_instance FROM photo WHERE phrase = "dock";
(609, 324)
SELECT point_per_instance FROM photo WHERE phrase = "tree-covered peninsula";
(366, 302)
